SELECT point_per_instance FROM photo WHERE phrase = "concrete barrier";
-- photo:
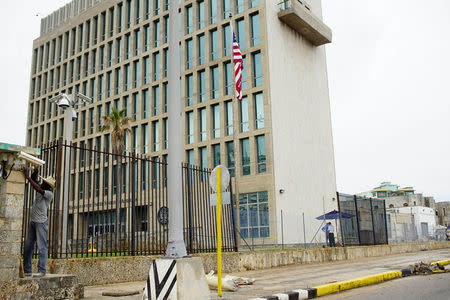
(104, 270)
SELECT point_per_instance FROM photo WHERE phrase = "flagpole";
(235, 128)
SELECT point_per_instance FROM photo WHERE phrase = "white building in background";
(424, 220)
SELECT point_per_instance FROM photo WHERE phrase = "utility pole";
(67, 103)
(176, 247)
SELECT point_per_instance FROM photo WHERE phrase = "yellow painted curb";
(441, 262)
(335, 287)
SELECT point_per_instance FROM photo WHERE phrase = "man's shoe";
(40, 274)
(28, 274)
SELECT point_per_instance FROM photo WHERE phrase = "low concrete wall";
(104, 270)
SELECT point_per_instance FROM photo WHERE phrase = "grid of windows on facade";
(254, 215)
(119, 57)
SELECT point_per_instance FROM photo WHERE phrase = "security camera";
(62, 100)
(31, 159)
(74, 115)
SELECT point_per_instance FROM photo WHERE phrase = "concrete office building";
(116, 52)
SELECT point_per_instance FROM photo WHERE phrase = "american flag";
(238, 67)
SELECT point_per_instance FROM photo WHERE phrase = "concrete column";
(11, 206)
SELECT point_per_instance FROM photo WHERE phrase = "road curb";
(335, 287)
(441, 262)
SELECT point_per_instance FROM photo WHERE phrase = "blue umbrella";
(333, 215)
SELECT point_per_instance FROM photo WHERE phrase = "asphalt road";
(427, 287)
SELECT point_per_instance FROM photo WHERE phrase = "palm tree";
(119, 124)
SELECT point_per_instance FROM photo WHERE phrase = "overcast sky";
(388, 69)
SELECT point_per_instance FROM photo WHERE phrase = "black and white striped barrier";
(176, 279)
(161, 280)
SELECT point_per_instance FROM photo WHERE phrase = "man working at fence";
(325, 229)
(38, 227)
(331, 235)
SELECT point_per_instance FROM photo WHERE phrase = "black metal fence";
(117, 205)
(367, 225)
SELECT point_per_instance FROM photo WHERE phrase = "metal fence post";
(373, 225)
(235, 246)
(133, 206)
(385, 221)
(357, 219)
(340, 219)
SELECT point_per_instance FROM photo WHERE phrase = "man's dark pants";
(37, 232)
(331, 239)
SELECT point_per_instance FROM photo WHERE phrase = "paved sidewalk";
(291, 277)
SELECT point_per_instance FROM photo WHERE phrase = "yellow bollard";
(219, 234)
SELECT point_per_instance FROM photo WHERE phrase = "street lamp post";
(176, 247)
(67, 103)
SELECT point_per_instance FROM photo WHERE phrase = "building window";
(255, 30)
(189, 90)
(201, 49)
(228, 78)
(254, 215)
(227, 40)
(213, 11)
(201, 14)
(137, 12)
(245, 150)
(261, 153)
(203, 158)
(215, 82)
(111, 22)
(136, 74)
(108, 84)
(190, 127)
(259, 110)
(135, 113)
(229, 117)
(216, 154)
(189, 54)
(128, 14)
(202, 86)
(156, 7)
(156, 66)
(244, 74)
(145, 104)
(216, 121)
(146, 70)
(244, 114)
(230, 157)
(165, 133)
(137, 42)
(147, 38)
(214, 45)
(166, 62)
(241, 33)
(190, 156)
(156, 33)
(156, 100)
(155, 126)
(127, 46)
(119, 17)
(189, 21)
(240, 6)
(166, 95)
(127, 77)
(202, 126)
(257, 69)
